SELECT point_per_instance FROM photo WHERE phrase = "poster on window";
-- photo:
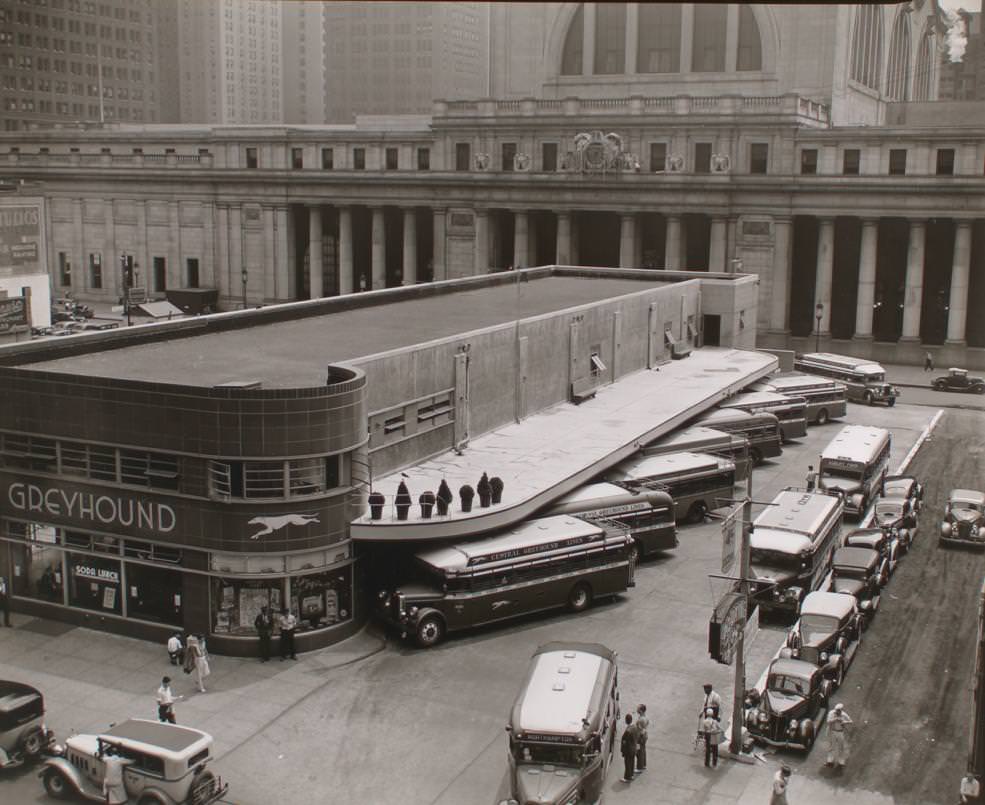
(251, 601)
(109, 597)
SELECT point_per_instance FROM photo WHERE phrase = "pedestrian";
(838, 721)
(780, 782)
(711, 728)
(628, 747)
(264, 624)
(165, 701)
(642, 723)
(712, 700)
(928, 362)
(362, 282)
(970, 789)
(288, 623)
(811, 478)
(5, 600)
(176, 649)
(196, 660)
(114, 790)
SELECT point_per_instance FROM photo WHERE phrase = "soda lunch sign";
(89, 507)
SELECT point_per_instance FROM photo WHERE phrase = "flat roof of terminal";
(288, 354)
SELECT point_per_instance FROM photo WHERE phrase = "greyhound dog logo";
(272, 524)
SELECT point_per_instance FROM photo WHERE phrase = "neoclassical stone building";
(803, 144)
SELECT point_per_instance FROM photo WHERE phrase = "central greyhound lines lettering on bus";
(276, 523)
(106, 509)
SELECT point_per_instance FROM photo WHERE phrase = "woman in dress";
(195, 657)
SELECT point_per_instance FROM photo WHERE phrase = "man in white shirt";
(288, 623)
(970, 789)
(838, 723)
(712, 701)
(176, 651)
(113, 788)
(165, 701)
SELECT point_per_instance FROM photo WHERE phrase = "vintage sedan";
(862, 573)
(959, 380)
(897, 515)
(885, 542)
(828, 633)
(903, 486)
(792, 708)
(24, 738)
(964, 519)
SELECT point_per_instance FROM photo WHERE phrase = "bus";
(647, 513)
(541, 564)
(696, 481)
(762, 430)
(791, 411)
(563, 725)
(855, 464)
(826, 399)
(865, 381)
(791, 546)
(699, 439)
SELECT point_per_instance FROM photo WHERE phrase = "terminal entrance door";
(712, 331)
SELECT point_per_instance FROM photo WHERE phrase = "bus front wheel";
(822, 416)
(580, 598)
(430, 631)
(757, 456)
(696, 514)
(868, 398)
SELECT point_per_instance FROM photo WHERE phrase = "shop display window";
(237, 602)
(154, 594)
(94, 583)
(38, 570)
(322, 599)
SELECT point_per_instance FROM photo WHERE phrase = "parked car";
(168, 764)
(828, 633)
(959, 380)
(24, 738)
(897, 515)
(904, 486)
(887, 544)
(862, 573)
(964, 519)
(793, 706)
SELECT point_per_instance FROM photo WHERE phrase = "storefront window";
(37, 568)
(94, 583)
(322, 599)
(236, 603)
(154, 594)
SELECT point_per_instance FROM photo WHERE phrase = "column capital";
(869, 220)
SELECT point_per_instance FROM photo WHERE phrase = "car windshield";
(850, 572)
(552, 754)
(901, 488)
(889, 507)
(782, 683)
(815, 627)
(963, 504)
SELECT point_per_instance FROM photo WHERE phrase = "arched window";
(750, 56)
(867, 45)
(898, 77)
(708, 49)
(571, 58)
(659, 38)
(923, 75)
(610, 38)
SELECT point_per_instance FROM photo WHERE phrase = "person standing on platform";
(712, 731)
(928, 362)
(288, 624)
(5, 600)
(838, 723)
(781, 780)
(712, 700)
(628, 747)
(642, 723)
(811, 478)
(264, 624)
(113, 788)
(970, 789)
(165, 701)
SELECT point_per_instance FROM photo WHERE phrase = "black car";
(862, 573)
(886, 543)
(792, 708)
(24, 738)
(964, 519)
(828, 633)
(959, 380)
(897, 516)
(903, 486)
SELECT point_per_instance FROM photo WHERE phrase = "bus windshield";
(842, 470)
(777, 559)
(874, 377)
(553, 754)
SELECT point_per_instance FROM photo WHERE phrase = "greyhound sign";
(275, 523)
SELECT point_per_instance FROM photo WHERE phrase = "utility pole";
(739, 688)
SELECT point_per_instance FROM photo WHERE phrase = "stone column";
(440, 267)
(632, 36)
(588, 39)
(79, 256)
(672, 246)
(234, 284)
(346, 267)
(866, 278)
(913, 284)
(825, 271)
(410, 246)
(269, 247)
(481, 251)
(687, 36)
(627, 239)
(957, 315)
(641, 224)
(173, 270)
(282, 270)
(221, 279)
(521, 242)
(112, 268)
(779, 293)
(731, 38)
(314, 253)
(206, 261)
(717, 247)
(378, 249)
(142, 255)
(563, 254)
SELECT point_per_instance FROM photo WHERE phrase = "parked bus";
(791, 411)
(825, 398)
(762, 430)
(855, 464)
(699, 439)
(563, 725)
(648, 513)
(696, 481)
(791, 546)
(864, 380)
(541, 564)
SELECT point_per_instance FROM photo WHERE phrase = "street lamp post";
(818, 313)
(246, 277)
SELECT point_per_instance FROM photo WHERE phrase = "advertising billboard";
(20, 237)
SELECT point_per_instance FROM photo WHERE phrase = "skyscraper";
(303, 38)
